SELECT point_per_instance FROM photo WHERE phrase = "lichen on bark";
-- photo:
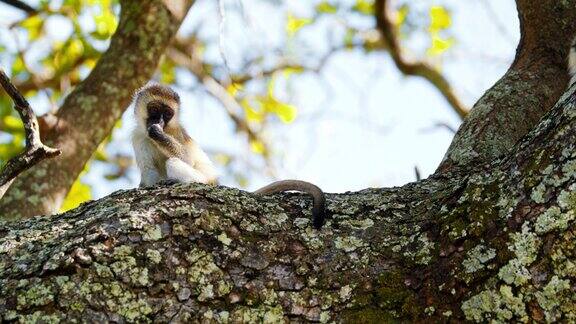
(475, 246)
(493, 241)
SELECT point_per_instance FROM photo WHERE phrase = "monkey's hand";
(169, 146)
(156, 132)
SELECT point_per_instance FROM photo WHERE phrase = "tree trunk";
(529, 89)
(492, 243)
(90, 112)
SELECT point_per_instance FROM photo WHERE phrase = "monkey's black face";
(158, 114)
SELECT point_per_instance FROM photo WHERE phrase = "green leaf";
(439, 45)
(75, 5)
(79, 193)
(364, 7)
(326, 7)
(257, 147)
(106, 24)
(234, 88)
(34, 26)
(349, 37)
(241, 180)
(287, 113)
(439, 19)
(252, 115)
(9, 150)
(18, 66)
(70, 52)
(12, 123)
(76, 48)
(167, 72)
(401, 15)
(287, 72)
(294, 24)
(222, 159)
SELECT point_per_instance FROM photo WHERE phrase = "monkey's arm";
(181, 162)
(319, 200)
(167, 144)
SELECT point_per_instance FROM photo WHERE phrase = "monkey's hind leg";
(149, 177)
(181, 171)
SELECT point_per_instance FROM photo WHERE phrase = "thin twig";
(243, 78)
(417, 173)
(389, 32)
(20, 5)
(215, 89)
(221, 30)
(35, 150)
(266, 73)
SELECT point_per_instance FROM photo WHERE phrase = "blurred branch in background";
(20, 5)
(183, 54)
(35, 150)
(389, 31)
(261, 96)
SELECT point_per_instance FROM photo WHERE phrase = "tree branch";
(243, 78)
(91, 110)
(214, 88)
(20, 5)
(530, 87)
(35, 150)
(389, 32)
(474, 246)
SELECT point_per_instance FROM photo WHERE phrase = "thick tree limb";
(90, 112)
(20, 5)
(494, 243)
(35, 150)
(534, 82)
(389, 32)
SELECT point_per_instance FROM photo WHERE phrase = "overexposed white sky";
(360, 122)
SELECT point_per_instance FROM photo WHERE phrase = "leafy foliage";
(439, 21)
(47, 64)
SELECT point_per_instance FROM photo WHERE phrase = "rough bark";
(534, 82)
(89, 113)
(493, 243)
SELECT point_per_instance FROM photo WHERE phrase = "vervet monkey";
(165, 153)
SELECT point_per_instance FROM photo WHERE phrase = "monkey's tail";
(318, 206)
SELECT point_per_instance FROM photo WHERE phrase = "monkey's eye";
(168, 114)
(154, 109)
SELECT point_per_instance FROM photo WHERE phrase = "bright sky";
(361, 123)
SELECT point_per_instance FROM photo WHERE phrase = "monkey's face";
(159, 113)
(157, 105)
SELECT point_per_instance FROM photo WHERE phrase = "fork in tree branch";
(35, 150)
